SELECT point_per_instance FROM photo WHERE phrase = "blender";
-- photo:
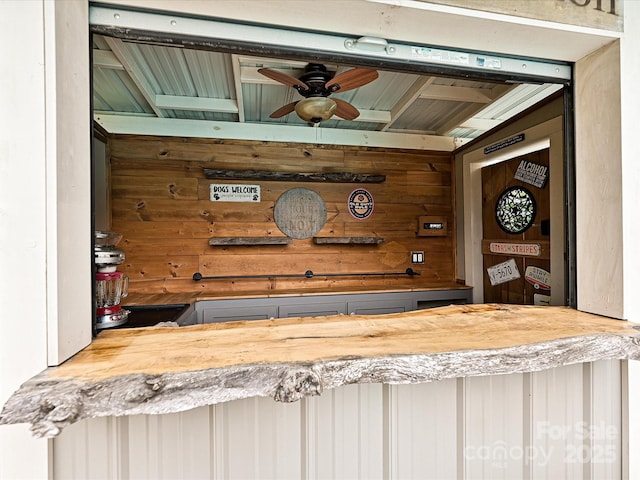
(111, 286)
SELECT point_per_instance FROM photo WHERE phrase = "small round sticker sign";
(360, 203)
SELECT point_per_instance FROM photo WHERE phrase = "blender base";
(112, 319)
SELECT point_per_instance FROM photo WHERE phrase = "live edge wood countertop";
(171, 369)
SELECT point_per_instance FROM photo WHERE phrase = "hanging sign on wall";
(539, 299)
(538, 277)
(600, 14)
(360, 203)
(504, 143)
(503, 272)
(532, 173)
(300, 213)
(524, 249)
(227, 192)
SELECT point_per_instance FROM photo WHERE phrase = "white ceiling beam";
(119, 124)
(237, 84)
(411, 132)
(407, 100)
(131, 114)
(457, 94)
(485, 123)
(128, 62)
(468, 112)
(106, 59)
(251, 75)
(500, 90)
(374, 116)
(472, 109)
(196, 104)
(480, 123)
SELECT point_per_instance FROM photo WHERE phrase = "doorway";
(516, 229)
(546, 136)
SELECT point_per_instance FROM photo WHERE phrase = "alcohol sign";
(532, 173)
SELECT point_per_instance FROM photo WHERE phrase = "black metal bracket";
(308, 274)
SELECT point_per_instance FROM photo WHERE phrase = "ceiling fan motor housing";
(315, 76)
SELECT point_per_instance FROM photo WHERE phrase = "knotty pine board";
(144, 233)
(273, 153)
(213, 289)
(160, 203)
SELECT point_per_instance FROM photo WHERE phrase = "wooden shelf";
(321, 177)
(348, 240)
(226, 241)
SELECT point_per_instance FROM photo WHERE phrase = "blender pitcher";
(111, 287)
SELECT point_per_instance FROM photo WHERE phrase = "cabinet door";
(213, 313)
(378, 307)
(312, 309)
(426, 304)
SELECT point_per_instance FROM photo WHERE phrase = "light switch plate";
(417, 257)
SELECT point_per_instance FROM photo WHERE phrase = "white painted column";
(630, 120)
(599, 223)
(67, 168)
(23, 329)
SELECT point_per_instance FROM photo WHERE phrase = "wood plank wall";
(160, 203)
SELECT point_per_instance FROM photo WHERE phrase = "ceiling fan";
(315, 85)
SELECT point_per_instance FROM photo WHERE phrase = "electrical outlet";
(417, 257)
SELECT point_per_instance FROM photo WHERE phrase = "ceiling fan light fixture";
(316, 109)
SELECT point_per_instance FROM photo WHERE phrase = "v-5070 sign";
(503, 272)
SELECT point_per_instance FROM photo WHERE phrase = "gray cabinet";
(210, 311)
(379, 306)
(300, 308)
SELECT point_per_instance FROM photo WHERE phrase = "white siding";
(423, 423)
(344, 433)
(257, 438)
(560, 423)
(493, 428)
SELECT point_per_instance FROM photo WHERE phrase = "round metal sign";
(360, 203)
(300, 213)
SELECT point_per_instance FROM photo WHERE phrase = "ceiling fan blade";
(345, 110)
(283, 78)
(284, 110)
(351, 79)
